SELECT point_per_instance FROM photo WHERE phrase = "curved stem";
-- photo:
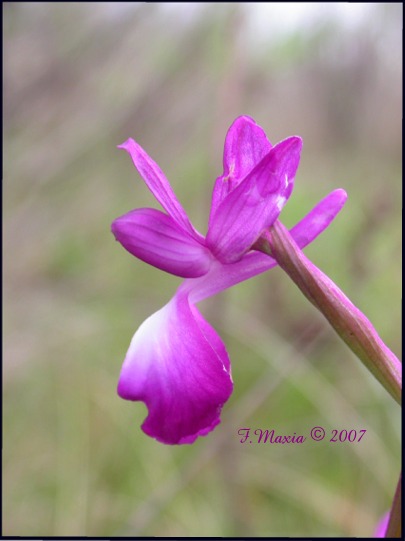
(347, 320)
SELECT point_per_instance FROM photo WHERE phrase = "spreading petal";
(246, 145)
(154, 237)
(158, 184)
(221, 277)
(178, 366)
(255, 203)
(319, 218)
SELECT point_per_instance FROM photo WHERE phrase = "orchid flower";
(176, 363)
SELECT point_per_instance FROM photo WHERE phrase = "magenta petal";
(319, 218)
(178, 366)
(221, 277)
(157, 183)
(154, 237)
(255, 203)
(246, 145)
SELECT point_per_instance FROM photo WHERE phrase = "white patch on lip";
(150, 336)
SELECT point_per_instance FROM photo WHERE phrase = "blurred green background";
(80, 79)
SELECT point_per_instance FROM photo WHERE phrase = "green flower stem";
(347, 320)
(394, 523)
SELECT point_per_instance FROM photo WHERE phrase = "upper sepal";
(255, 203)
(245, 146)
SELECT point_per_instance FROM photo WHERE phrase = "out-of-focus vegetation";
(78, 80)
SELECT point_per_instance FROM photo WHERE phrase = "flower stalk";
(347, 320)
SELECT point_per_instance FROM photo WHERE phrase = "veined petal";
(158, 184)
(178, 366)
(255, 203)
(220, 276)
(157, 239)
(246, 145)
(319, 218)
